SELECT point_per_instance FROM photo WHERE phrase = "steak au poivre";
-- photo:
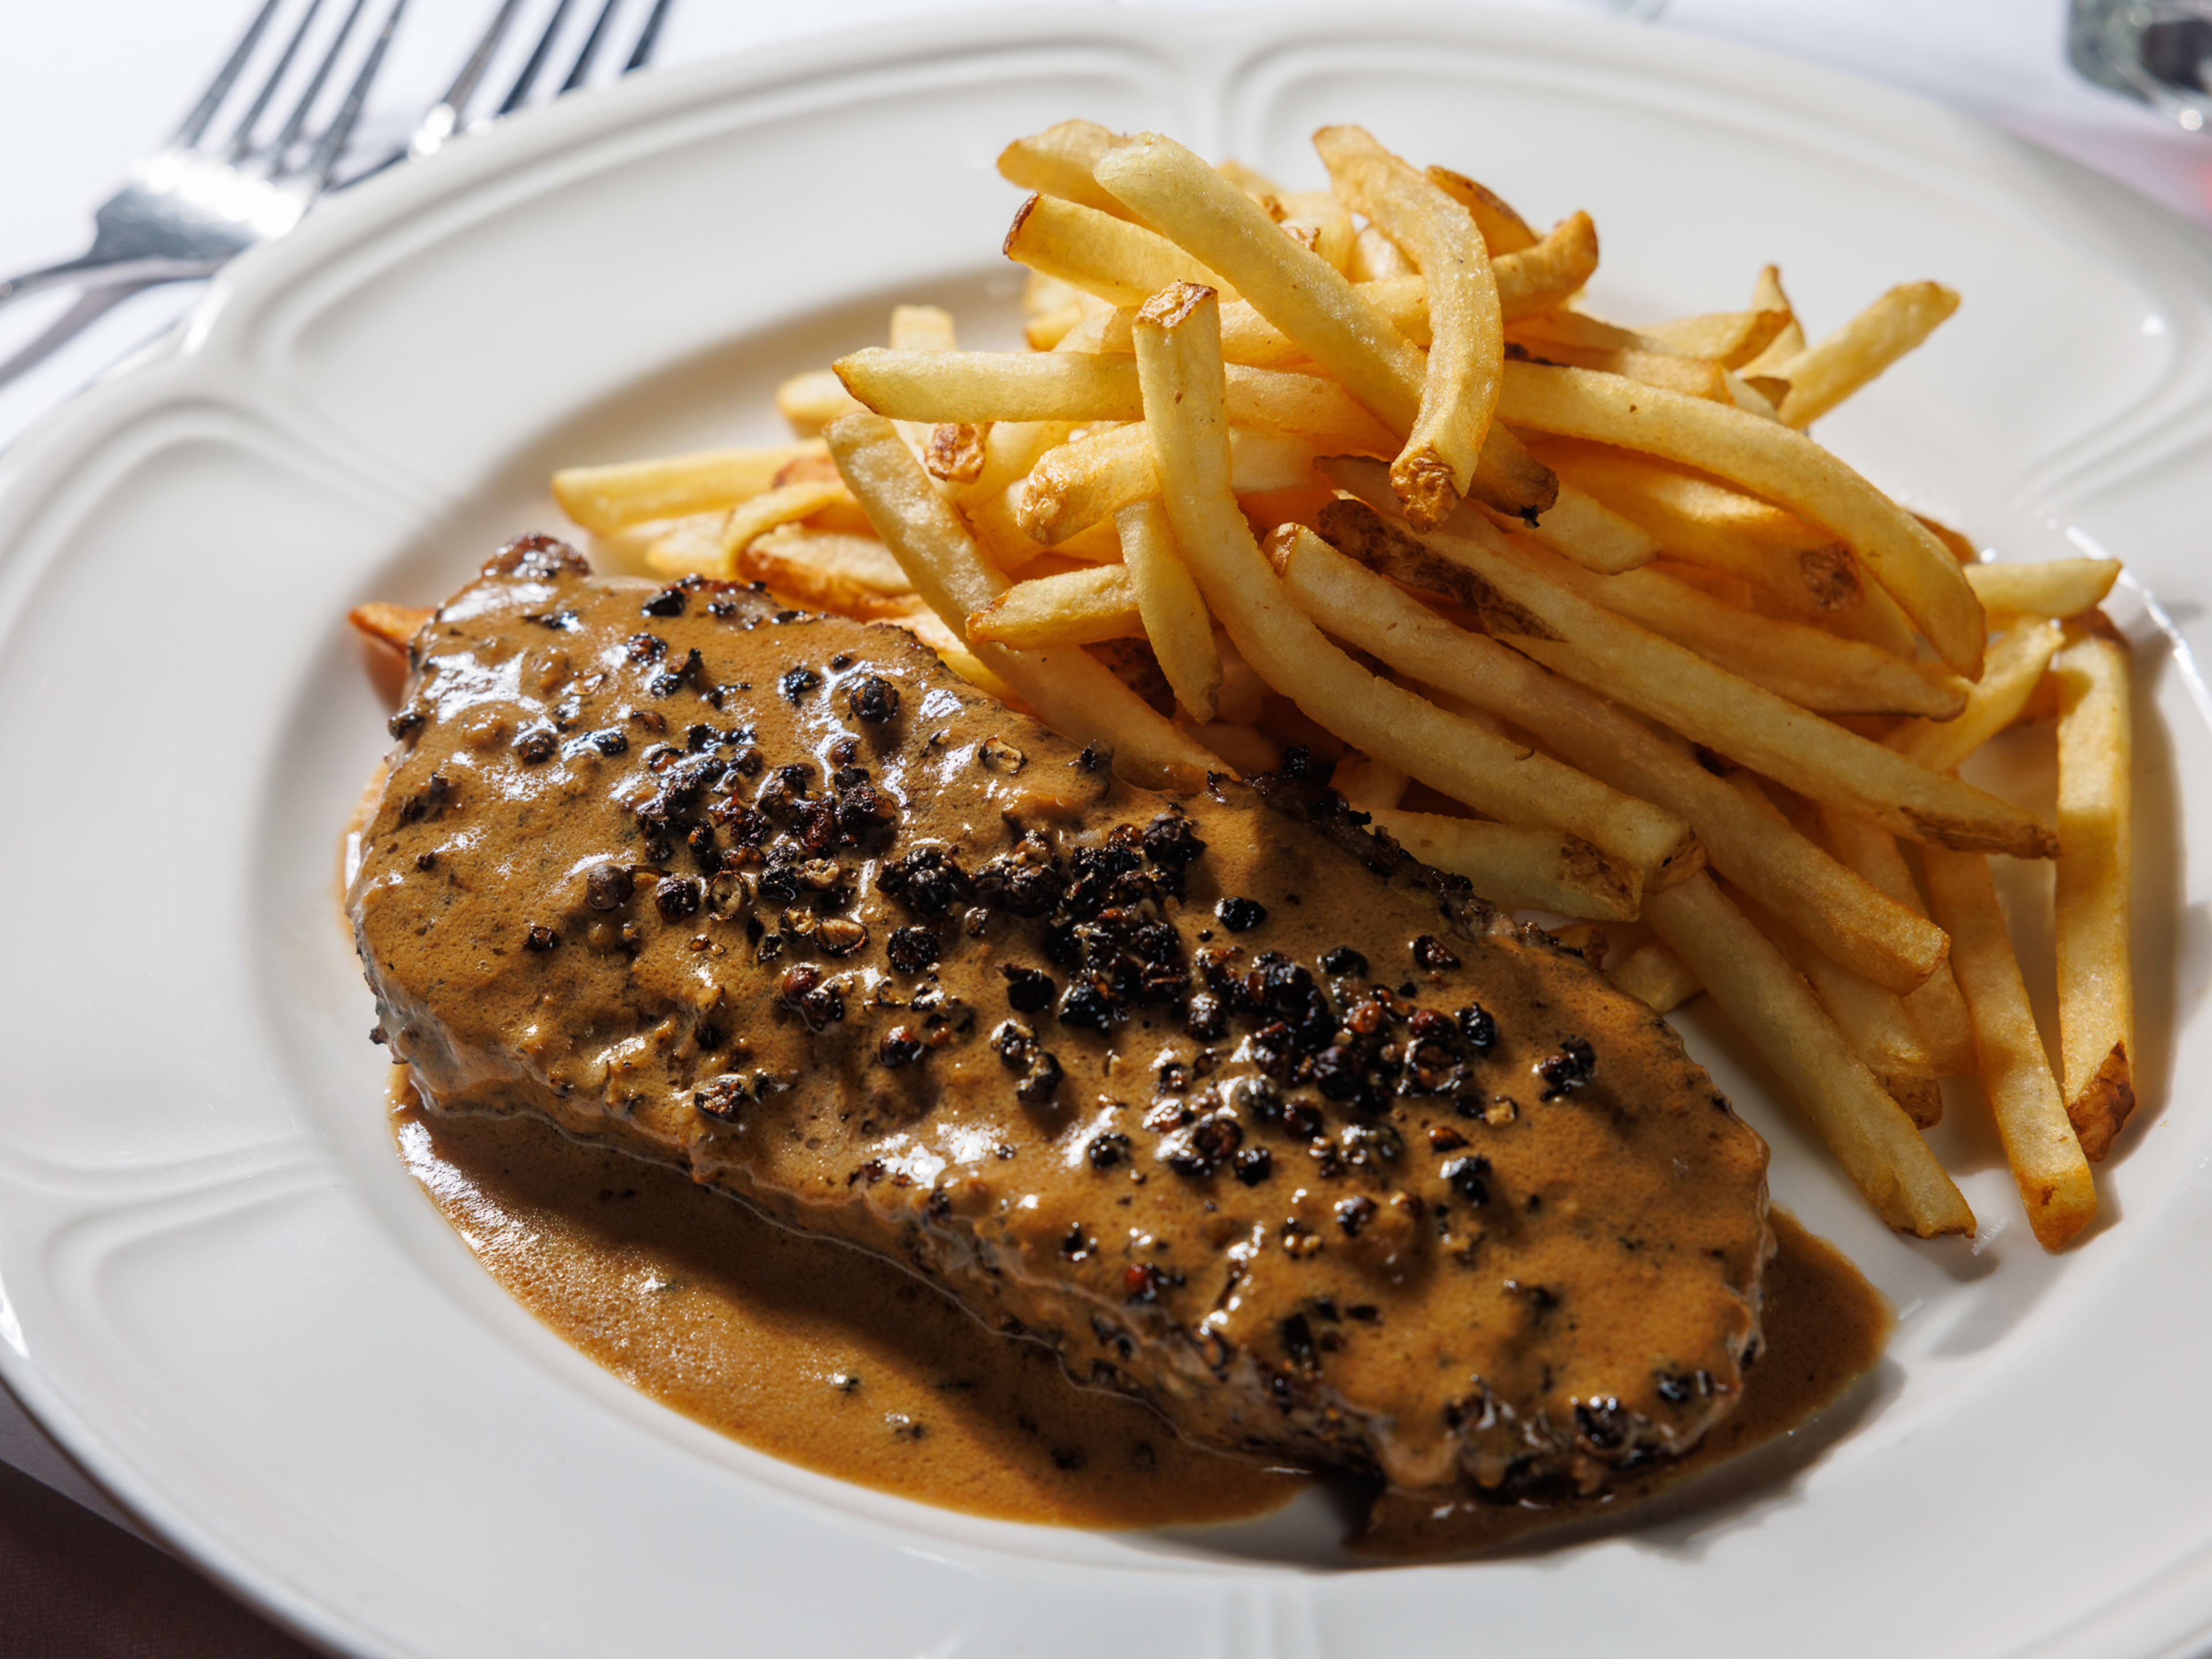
(1233, 1105)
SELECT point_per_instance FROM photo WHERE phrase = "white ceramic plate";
(223, 1294)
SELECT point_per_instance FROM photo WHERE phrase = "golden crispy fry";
(1767, 294)
(1730, 338)
(787, 504)
(1058, 161)
(2056, 588)
(1655, 977)
(1936, 1009)
(1822, 376)
(1370, 785)
(1066, 688)
(1812, 669)
(2015, 668)
(1375, 257)
(1840, 913)
(1772, 461)
(1044, 329)
(922, 328)
(1694, 377)
(809, 402)
(1518, 590)
(1518, 868)
(1696, 519)
(1318, 213)
(828, 570)
(1174, 611)
(1081, 482)
(995, 521)
(1118, 261)
(1042, 294)
(1504, 231)
(1298, 291)
(395, 625)
(2039, 1141)
(1922, 1098)
(1582, 528)
(955, 452)
(2096, 986)
(1056, 386)
(1178, 353)
(1076, 607)
(1459, 388)
(1762, 996)
(605, 499)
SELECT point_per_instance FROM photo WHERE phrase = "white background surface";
(86, 86)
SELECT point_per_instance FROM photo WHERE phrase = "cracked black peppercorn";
(1469, 1177)
(1029, 990)
(1241, 915)
(669, 602)
(873, 699)
(1254, 1164)
(1353, 1213)
(1040, 1083)
(1344, 962)
(913, 949)
(1563, 1072)
(677, 896)
(1107, 1149)
(1477, 1026)
(901, 1046)
(541, 939)
(608, 887)
(610, 741)
(797, 682)
(1431, 953)
(535, 746)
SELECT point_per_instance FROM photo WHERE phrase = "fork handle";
(87, 272)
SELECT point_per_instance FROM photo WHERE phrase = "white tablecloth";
(86, 86)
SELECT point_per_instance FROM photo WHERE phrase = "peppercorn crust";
(1233, 1105)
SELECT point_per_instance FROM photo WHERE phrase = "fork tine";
(472, 72)
(242, 139)
(296, 122)
(332, 144)
(523, 82)
(648, 38)
(583, 64)
(211, 100)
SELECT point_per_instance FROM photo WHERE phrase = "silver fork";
(194, 204)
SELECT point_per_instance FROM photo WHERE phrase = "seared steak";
(1235, 1106)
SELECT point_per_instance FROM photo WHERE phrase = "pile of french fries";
(1578, 609)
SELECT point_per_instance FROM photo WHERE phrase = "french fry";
(1655, 977)
(1252, 182)
(1054, 385)
(1459, 387)
(1696, 519)
(1582, 528)
(787, 504)
(2054, 587)
(1694, 377)
(1066, 688)
(809, 402)
(2096, 986)
(1730, 338)
(1074, 607)
(1043, 330)
(1770, 460)
(395, 625)
(1370, 785)
(1079, 483)
(1174, 611)
(828, 570)
(996, 523)
(1299, 292)
(1042, 294)
(1058, 161)
(605, 499)
(1812, 669)
(1822, 376)
(955, 452)
(1767, 294)
(1318, 213)
(2015, 668)
(1519, 868)
(2040, 1142)
(1922, 1098)
(1179, 355)
(1763, 998)
(1118, 261)
(1842, 914)
(1517, 590)
(1936, 1009)
(1504, 231)
(1375, 257)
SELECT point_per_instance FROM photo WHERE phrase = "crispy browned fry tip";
(394, 625)
(2100, 1109)
(955, 452)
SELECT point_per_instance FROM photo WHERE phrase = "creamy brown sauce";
(805, 1349)
(1824, 1327)
(842, 1363)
